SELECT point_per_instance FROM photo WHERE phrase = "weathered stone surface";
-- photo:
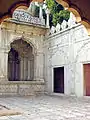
(48, 108)
(34, 35)
(21, 88)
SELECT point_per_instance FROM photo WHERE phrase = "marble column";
(3, 65)
(38, 69)
(3, 56)
(25, 69)
(21, 69)
(6, 66)
(47, 22)
(32, 69)
(29, 72)
(40, 12)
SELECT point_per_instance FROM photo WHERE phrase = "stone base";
(22, 88)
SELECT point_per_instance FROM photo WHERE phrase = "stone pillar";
(40, 12)
(3, 65)
(24, 63)
(38, 69)
(32, 8)
(47, 22)
(21, 69)
(6, 65)
(3, 56)
(32, 69)
(29, 74)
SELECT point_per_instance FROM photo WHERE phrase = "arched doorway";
(13, 65)
(20, 61)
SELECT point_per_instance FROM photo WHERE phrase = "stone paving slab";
(48, 108)
(9, 112)
(5, 111)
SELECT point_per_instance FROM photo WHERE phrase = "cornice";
(24, 28)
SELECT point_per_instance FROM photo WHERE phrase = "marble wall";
(68, 48)
(34, 35)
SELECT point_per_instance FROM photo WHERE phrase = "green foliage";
(58, 13)
(50, 3)
(59, 17)
(54, 6)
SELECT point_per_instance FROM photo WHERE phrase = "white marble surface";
(69, 48)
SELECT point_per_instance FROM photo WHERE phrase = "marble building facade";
(70, 49)
(27, 40)
(30, 52)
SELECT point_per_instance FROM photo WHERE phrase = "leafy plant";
(58, 14)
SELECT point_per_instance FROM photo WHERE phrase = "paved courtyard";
(47, 108)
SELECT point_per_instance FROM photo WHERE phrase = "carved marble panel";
(24, 16)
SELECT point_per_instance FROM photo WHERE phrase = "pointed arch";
(20, 61)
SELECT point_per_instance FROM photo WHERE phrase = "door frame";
(84, 81)
(53, 79)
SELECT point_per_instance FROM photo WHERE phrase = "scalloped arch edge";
(77, 14)
(64, 3)
(12, 9)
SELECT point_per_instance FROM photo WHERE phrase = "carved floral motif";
(24, 16)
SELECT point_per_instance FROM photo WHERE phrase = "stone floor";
(47, 108)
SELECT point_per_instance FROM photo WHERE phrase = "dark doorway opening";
(59, 80)
(13, 65)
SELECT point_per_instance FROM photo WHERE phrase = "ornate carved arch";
(26, 39)
(20, 61)
(80, 8)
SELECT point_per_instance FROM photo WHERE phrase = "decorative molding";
(21, 28)
(24, 16)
